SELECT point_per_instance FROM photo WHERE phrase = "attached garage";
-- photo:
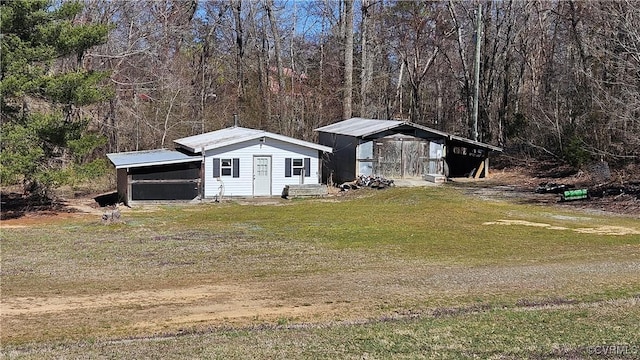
(157, 175)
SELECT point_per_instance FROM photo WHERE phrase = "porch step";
(305, 190)
(435, 178)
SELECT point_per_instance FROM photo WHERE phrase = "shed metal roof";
(149, 158)
(234, 135)
(359, 127)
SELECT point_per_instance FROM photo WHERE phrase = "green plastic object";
(571, 193)
(574, 195)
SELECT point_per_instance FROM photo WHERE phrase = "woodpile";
(374, 182)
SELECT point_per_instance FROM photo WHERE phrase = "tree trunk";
(276, 44)
(237, 12)
(366, 72)
(347, 98)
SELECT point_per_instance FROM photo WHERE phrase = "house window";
(226, 167)
(297, 166)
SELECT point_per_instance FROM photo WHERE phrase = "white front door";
(262, 176)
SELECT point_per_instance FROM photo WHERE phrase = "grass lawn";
(399, 273)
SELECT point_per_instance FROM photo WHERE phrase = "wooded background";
(557, 78)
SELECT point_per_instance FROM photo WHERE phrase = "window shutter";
(216, 167)
(287, 167)
(236, 167)
(307, 167)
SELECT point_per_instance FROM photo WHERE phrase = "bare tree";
(240, 50)
(347, 98)
(366, 58)
(276, 43)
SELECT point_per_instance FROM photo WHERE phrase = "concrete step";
(435, 178)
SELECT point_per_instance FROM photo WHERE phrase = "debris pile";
(374, 182)
(628, 190)
(552, 188)
(618, 197)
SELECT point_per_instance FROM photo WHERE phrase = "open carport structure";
(156, 175)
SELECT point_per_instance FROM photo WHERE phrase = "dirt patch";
(600, 230)
(223, 301)
(608, 230)
(172, 309)
(620, 195)
(19, 211)
(42, 218)
(16, 205)
(176, 307)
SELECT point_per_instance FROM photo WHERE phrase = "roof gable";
(234, 135)
(359, 127)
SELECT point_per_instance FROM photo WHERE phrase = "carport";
(157, 175)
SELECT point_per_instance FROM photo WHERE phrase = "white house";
(248, 162)
(235, 161)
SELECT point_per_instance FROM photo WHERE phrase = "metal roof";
(473, 142)
(359, 127)
(149, 158)
(234, 135)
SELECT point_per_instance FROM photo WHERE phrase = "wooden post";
(486, 167)
(480, 168)
(129, 179)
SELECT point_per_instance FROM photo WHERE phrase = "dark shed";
(399, 149)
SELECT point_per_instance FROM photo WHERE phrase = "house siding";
(245, 153)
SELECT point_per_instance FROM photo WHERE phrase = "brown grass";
(384, 257)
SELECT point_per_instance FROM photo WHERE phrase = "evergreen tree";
(43, 84)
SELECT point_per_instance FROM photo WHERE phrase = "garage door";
(166, 182)
(400, 158)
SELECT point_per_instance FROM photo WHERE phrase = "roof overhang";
(144, 158)
(475, 143)
(362, 128)
(359, 127)
(234, 135)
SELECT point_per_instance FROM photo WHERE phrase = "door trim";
(255, 157)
